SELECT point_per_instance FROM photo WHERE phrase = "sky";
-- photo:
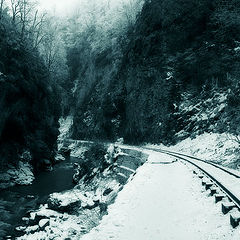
(60, 6)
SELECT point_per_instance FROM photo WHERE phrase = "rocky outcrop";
(21, 175)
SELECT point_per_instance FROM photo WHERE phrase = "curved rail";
(184, 157)
(198, 159)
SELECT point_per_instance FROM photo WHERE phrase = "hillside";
(28, 95)
(176, 56)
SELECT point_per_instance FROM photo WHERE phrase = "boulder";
(20, 229)
(59, 158)
(32, 229)
(63, 203)
(43, 223)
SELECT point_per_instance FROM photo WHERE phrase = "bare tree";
(15, 4)
(37, 28)
(1, 8)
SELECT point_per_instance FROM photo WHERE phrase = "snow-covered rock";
(32, 229)
(43, 223)
(113, 152)
(21, 175)
(66, 201)
(59, 158)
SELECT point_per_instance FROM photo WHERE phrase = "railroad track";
(223, 183)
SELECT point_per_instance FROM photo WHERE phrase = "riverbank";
(73, 213)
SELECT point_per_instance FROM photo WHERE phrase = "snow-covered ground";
(163, 202)
(220, 148)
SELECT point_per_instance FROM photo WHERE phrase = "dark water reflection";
(16, 201)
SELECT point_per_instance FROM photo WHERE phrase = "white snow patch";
(64, 129)
(77, 150)
(210, 146)
(220, 148)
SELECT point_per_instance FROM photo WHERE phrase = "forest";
(121, 69)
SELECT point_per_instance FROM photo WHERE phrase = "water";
(16, 201)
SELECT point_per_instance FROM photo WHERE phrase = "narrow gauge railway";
(223, 183)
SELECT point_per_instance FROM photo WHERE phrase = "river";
(15, 202)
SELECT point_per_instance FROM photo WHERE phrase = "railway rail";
(222, 182)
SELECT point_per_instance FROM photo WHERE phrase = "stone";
(20, 229)
(43, 223)
(96, 199)
(32, 229)
(63, 205)
(59, 158)
(32, 216)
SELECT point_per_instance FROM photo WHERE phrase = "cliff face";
(175, 53)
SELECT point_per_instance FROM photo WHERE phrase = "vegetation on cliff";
(130, 83)
(29, 95)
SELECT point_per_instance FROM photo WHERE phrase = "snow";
(77, 149)
(64, 129)
(220, 148)
(163, 201)
(232, 183)
(24, 174)
(200, 115)
(83, 204)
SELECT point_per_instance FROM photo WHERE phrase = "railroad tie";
(206, 182)
(208, 185)
(235, 218)
(219, 197)
(227, 206)
(213, 190)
